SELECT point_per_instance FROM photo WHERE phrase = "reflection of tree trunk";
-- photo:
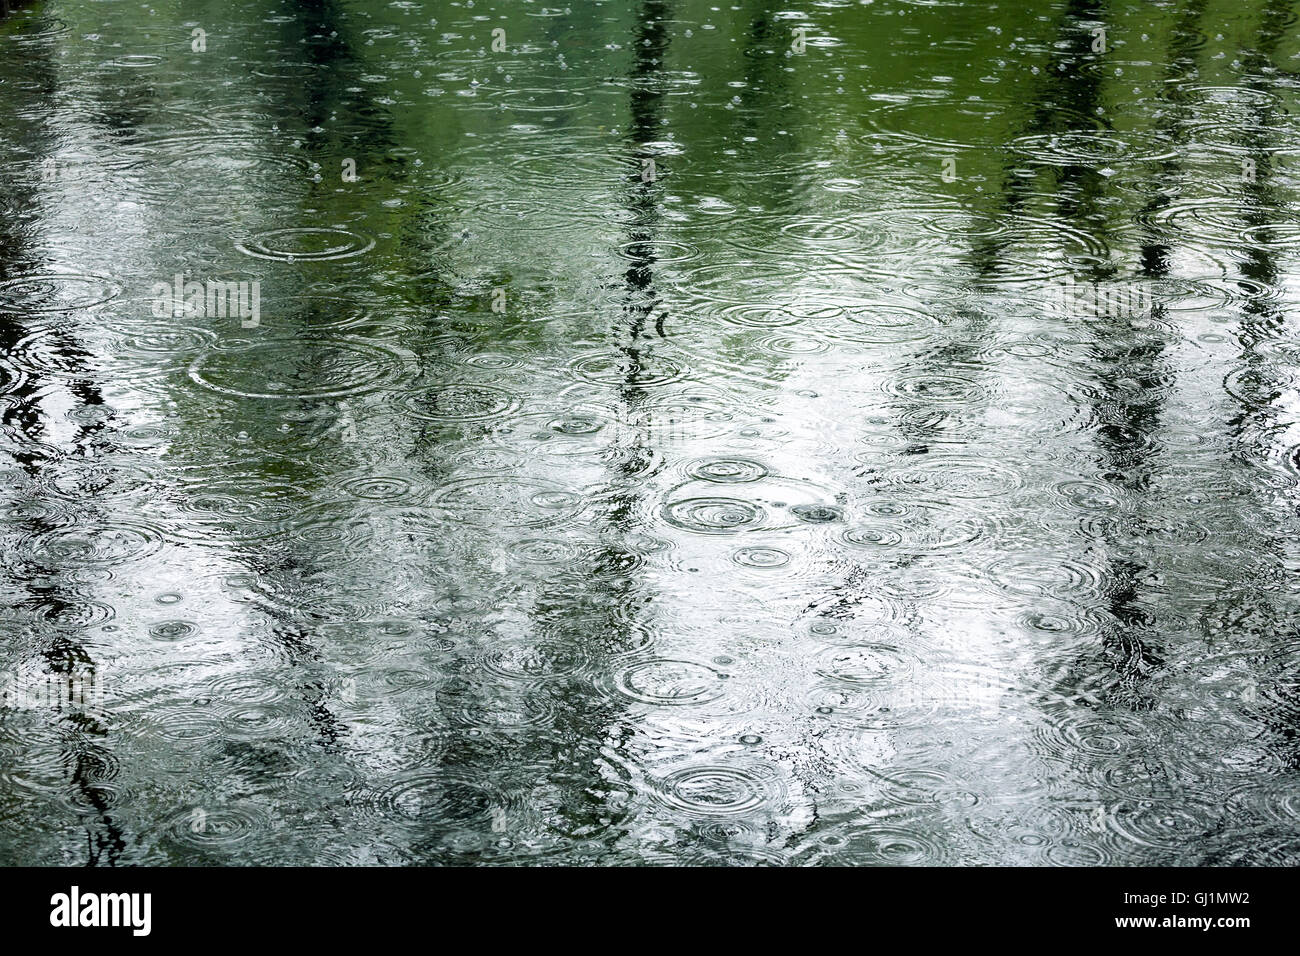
(1130, 370)
(610, 593)
(63, 652)
(645, 106)
(1131, 367)
(1258, 394)
(1127, 411)
(1079, 189)
(1079, 87)
(597, 600)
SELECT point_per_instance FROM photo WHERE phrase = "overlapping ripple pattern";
(670, 434)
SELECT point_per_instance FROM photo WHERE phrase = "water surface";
(860, 433)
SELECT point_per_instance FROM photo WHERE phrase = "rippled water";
(859, 434)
